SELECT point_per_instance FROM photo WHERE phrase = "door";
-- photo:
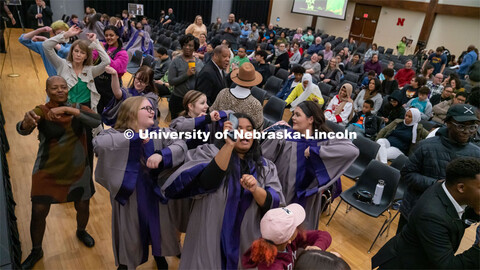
(364, 23)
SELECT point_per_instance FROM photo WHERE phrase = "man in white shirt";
(437, 223)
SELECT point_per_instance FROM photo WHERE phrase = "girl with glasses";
(141, 85)
(128, 167)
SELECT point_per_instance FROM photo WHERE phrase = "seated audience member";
(341, 65)
(298, 34)
(427, 72)
(389, 85)
(437, 59)
(169, 19)
(405, 74)
(366, 79)
(340, 108)
(306, 90)
(435, 85)
(427, 164)
(400, 136)
(34, 42)
(239, 59)
(212, 79)
(75, 21)
(262, 67)
(332, 73)
(373, 64)
(437, 223)
(468, 60)
(393, 109)
(281, 237)
(455, 82)
(352, 45)
(421, 103)
(292, 81)
(254, 35)
(315, 47)
(161, 68)
(371, 92)
(197, 28)
(282, 39)
(313, 67)
(308, 38)
(142, 85)
(355, 65)
(59, 122)
(227, 44)
(370, 52)
(296, 56)
(319, 259)
(446, 94)
(391, 65)
(364, 123)
(282, 60)
(139, 41)
(202, 46)
(410, 91)
(240, 99)
(207, 56)
(327, 52)
(440, 110)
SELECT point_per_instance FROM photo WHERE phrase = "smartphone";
(234, 120)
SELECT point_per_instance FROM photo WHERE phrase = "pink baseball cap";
(278, 225)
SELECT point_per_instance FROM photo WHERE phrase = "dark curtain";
(28, 23)
(184, 10)
(251, 10)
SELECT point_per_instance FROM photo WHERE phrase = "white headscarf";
(416, 117)
(307, 91)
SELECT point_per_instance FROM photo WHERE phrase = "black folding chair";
(273, 111)
(368, 152)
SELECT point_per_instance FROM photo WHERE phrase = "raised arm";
(49, 49)
(117, 92)
(100, 68)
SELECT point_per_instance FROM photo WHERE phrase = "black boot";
(33, 258)
(161, 262)
(86, 238)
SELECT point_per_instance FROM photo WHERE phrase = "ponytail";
(263, 251)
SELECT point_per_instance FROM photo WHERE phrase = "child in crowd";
(422, 103)
(293, 80)
(364, 123)
(366, 80)
(281, 237)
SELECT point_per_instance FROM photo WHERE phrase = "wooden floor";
(352, 233)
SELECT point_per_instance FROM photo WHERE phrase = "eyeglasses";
(461, 127)
(149, 109)
(140, 81)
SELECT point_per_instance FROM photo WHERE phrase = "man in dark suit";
(211, 80)
(40, 14)
(437, 223)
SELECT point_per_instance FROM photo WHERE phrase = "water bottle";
(377, 197)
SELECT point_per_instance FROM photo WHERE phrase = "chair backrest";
(362, 48)
(378, 171)
(273, 85)
(175, 45)
(282, 74)
(325, 88)
(167, 42)
(137, 58)
(368, 150)
(272, 69)
(398, 164)
(389, 51)
(149, 61)
(381, 49)
(351, 77)
(273, 110)
(335, 127)
(259, 94)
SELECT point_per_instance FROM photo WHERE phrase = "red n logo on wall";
(400, 21)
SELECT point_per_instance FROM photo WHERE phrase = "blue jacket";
(36, 46)
(468, 60)
(286, 89)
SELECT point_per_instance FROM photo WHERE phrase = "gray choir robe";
(113, 152)
(139, 43)
(328, 160)
(202, 246)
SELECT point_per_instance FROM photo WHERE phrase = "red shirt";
(404, 76)
(285, 259)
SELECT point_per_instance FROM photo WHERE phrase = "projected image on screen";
(324, 8)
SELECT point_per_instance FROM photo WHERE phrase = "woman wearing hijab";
(306, 90)
(400, 136)
(340, 108)
(371, 92)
